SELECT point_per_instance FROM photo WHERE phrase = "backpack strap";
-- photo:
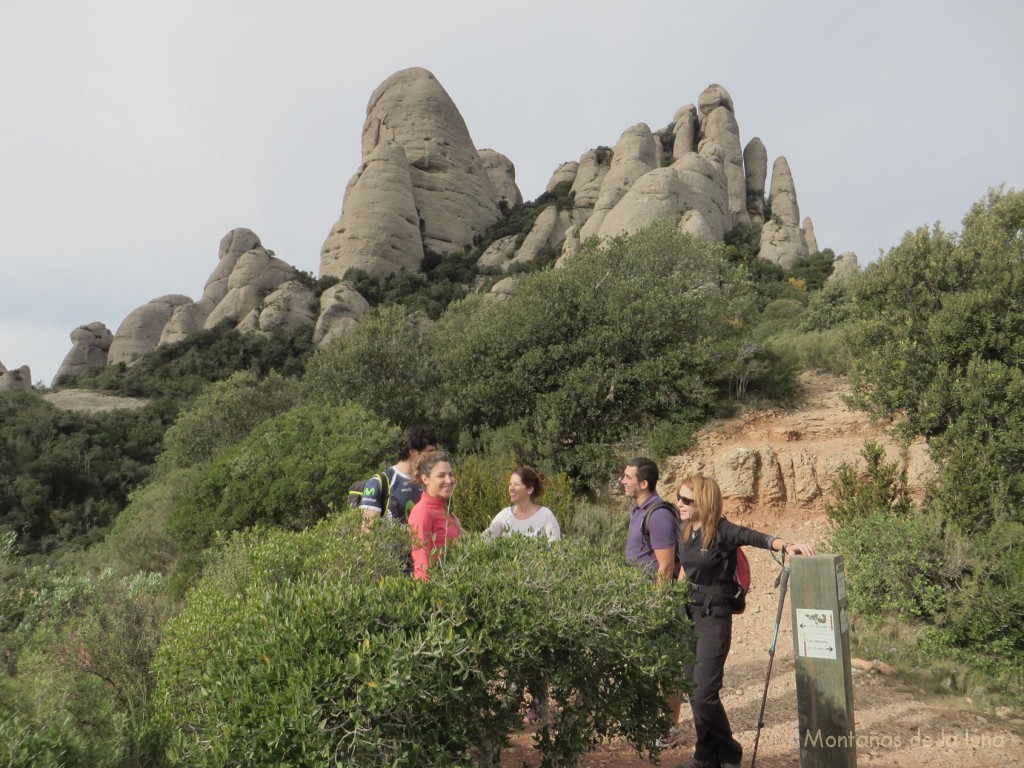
(645, 529)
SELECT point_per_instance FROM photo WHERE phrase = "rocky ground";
(86, 400)
(897, 724)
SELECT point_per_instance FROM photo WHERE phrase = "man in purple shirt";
(657, 549)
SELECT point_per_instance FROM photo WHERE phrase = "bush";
(290, 472)
(349, 663)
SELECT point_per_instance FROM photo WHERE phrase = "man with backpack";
(392, 492)
(653, 538)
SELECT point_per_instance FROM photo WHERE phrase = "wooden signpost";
(821, 650)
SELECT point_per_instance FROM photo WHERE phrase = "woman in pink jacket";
(431, 525)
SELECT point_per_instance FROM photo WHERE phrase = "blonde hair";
(707, 499)
(426, 462)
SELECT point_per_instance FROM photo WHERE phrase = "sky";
(134, 134)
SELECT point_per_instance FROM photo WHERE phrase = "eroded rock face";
(792, 457)
(593, 167)
(755, 160)
(566, 172)
(720, 126)
(636, 153)
(548, 232)
(704, 193)
(19, 379)
(89, 347)
(503, 289)
(341, 309)
(502, 175)
(844, 265)
(256, 275)
(379, 228)
(684, 127)
(142, 330)
(453, 194)
(782, 240)
(499, 254)
(808, 231)
(288, 310)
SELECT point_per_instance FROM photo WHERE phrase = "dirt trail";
(897, 726)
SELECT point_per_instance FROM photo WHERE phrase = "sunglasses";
(684, 501)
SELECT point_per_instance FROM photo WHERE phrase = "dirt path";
(896, 725)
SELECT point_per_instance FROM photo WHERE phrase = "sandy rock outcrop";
(704, 192)
(755, 161)
(807, 228)
(845, 265)
(636, 153)
(782, 240)
(379, 227)
(502, 174)
(791, 457)
(720, 126)
(256, 275)
(499, 254)
(655, 196)
(503, 289)
(188, 318)
(593, 167)
(684, 128)
(548, 232)
(451, 189)
(288, 311)
(89, 347)
(142, 330)
(341, 309)
(18, 379)
(564, 173)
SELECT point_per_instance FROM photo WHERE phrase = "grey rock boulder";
(16, 380)
(256, 275)
(89, 347)
(593, 167)
(684, 128)
(142, 330)
(499, 254)
(566, 172)
(636, 153)
(782, 240)
(341, 309)
(844, 265)
(808, 231)
(290, 310)
(755, 161)
(451, 188)
(379, 227)
(720, 126)
(502, 175)
(503, 289)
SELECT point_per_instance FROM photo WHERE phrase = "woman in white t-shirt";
(525, 515)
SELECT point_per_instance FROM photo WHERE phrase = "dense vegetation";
(230, 485)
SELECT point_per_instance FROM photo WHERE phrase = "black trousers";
(714, 735)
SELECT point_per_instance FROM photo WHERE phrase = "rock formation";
(592, 168)
(379, 228)
(755, 159)
(89, 346)
(19, 379)
(636, 153)
(718, 123)
(502, 174)
(256, 275)
(844, 265)
(564, 173)
(809, 239)
(684, 127)
(781, 239)
(141, 331)
(341, 309)
(450, 186)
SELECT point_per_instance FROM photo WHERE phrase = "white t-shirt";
(540, 522)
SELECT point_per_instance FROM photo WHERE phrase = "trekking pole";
(781, 582)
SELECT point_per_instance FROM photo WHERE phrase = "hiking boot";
(695, 763)
(672, 740)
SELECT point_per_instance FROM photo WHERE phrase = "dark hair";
(426, 462)
(647, 470)
(531, 479)
(415, 439)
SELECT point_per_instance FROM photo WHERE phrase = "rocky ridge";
(423, 187)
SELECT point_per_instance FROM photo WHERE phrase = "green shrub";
(349, 663)
(290, 471)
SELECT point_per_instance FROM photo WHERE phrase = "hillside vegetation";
(209, 526)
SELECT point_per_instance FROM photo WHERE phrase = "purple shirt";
(640, 549)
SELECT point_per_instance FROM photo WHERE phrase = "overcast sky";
(135, 134)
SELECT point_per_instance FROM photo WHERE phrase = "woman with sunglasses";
(708, 553)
